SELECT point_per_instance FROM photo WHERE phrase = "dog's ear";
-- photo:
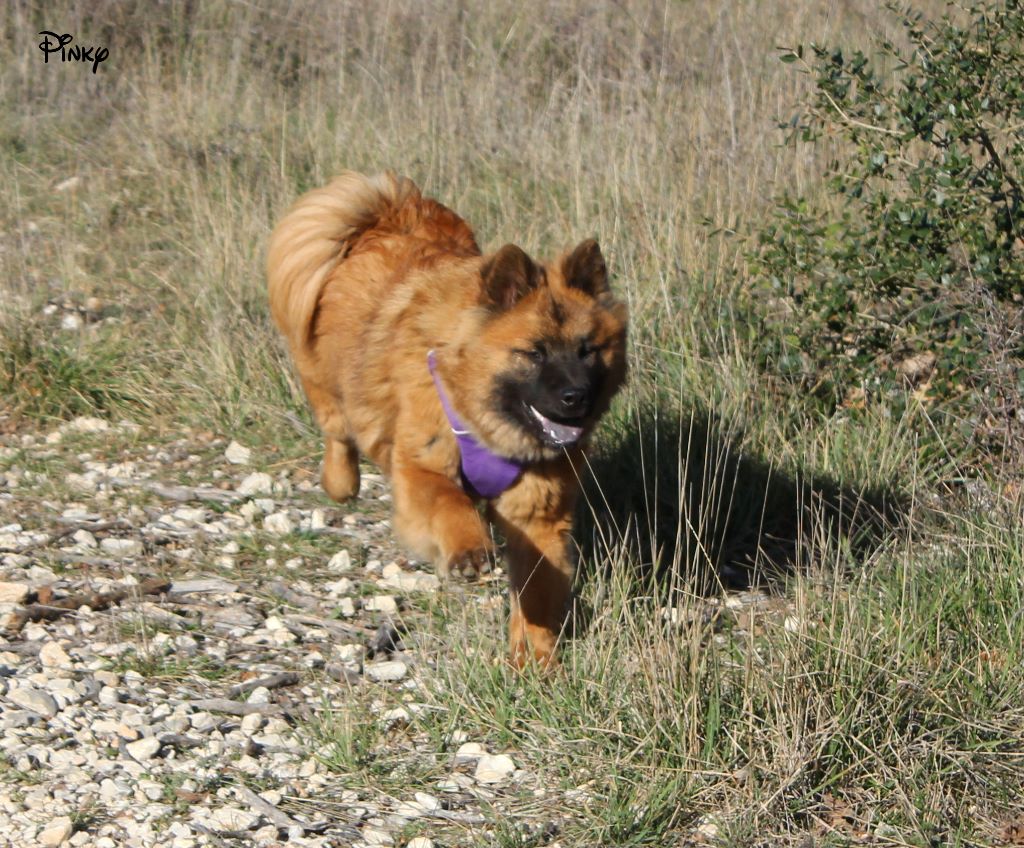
(508, 276)
(584, 269)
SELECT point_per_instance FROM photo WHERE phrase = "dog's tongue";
(558, 434)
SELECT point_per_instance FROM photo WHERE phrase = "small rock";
(35, 700)
(493, 769)
(84, 539)
(387, 671)
(397, 716)
(376, 836)
(52, 655)
(381, 603)
(86, 424)
(257, 483)
(419, 842)
(427, 802)
(237, 454)
(340, 562)
(707, 828)
(469, 752)
(71, 321)
(56, 832)
(251, 723)
(233, 819)
(13, 593)
(122, 547)
(278, 523)
(143, 749)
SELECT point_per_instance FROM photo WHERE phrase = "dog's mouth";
(556, 433)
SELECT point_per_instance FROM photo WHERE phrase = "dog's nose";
(573, 400)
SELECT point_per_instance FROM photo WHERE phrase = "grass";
(875, 699)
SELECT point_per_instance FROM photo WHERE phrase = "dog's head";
(536, 365)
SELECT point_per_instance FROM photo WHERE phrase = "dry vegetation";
(879, 702)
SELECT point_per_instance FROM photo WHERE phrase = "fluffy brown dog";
(368, 281)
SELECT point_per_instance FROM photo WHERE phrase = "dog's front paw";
(469, 564)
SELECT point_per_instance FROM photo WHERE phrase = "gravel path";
(164, 656)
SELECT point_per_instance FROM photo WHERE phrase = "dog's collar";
(484, 473)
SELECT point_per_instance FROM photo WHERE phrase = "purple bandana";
(484, 473)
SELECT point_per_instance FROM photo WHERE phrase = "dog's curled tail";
(314, 236)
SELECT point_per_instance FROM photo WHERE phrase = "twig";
(235, 708)
(68, 531)
(94, 600)
(279, 818)
(285, 678)
(178, 493)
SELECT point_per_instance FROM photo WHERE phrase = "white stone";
(84, 539)
(317, 519)
(52, 655)
(397, 716)
(251, 723)
(427, 802)
(347, 607)
(381, 603)
(351, 653)
(143, 749)
(278, 523)
(387, 671)
(419, 842)
(71, 321)
(81, 482)
(257, 483)
(493, 769)
(86, 424)
(13, 593)
(469, 751)
(33, 699)
(237, 454)
(56, 832)
(122, 547)
(376, 836)
(233, 818)
(340, 562)
(259, 695)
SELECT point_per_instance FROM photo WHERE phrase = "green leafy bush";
(914, 281)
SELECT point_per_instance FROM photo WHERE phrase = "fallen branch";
(285, 678)
(181, 494)
(235, 708)
(277, 817)
(94, 600)
(117, 524)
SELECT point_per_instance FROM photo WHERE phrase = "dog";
(471, 380)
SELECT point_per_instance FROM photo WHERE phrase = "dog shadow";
(679, 500)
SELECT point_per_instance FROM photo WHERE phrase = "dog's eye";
(588, 351)
(537, 355)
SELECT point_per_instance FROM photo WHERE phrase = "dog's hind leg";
(340, 474)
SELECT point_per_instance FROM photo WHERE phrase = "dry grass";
(888, 709)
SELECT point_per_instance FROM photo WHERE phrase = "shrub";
(912, 284)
